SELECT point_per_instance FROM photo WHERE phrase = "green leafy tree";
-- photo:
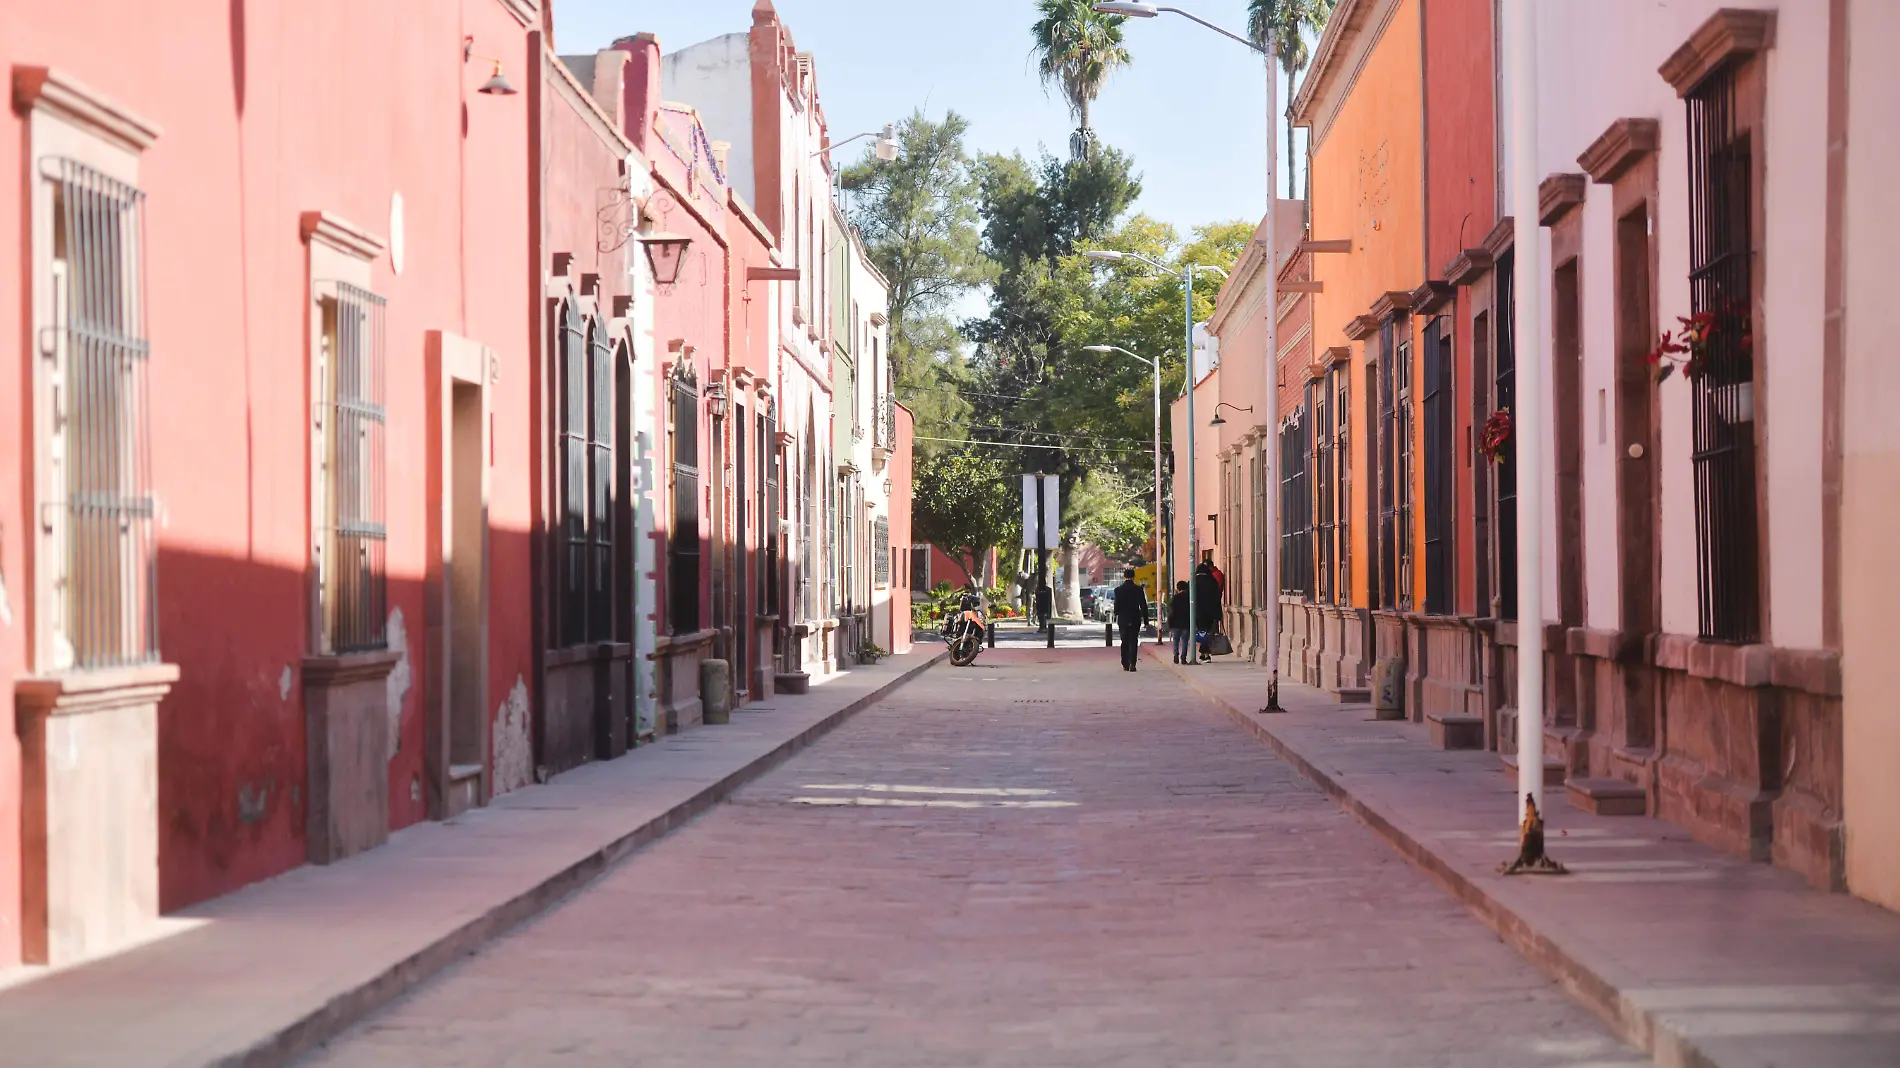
(917, 215)
(1076, 49)
(1282, 27)
(964, 502)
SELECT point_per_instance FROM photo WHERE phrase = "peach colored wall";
(1206, 469)
(1870, 506)
(1594, 70)
(268, 111)
(1368, 186)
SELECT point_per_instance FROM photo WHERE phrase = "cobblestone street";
(1036, 861)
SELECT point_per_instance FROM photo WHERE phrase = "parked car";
(1088, 602)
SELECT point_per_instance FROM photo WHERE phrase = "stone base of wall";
(346, 730)
(1741, 745)
(676, 660)
(88, 810)
(588, 703)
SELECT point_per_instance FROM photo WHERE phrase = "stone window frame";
(65, 120)
(1737, 40)
(338, 253)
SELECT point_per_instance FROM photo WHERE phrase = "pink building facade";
(256, 330)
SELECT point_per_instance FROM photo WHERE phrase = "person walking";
(1207, 605)
(1045, 605)
(1131, 611)
(1180, 624)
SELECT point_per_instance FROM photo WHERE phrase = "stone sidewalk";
(1698, 957)
(261, 975)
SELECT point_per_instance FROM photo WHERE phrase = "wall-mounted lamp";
(497, 84)
(1218, 421)
(666, 254)
(716, 399)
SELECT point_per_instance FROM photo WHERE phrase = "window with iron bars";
(770, 509)
(682, 548)
(1439, 464)
(1505, 396)
(1395, 470)
(1319, 392)
(1721, 262)
(584, 360)
(98, 527)
(351, 563)
(1342, 482)
(1258, 474)
(1296, 513)
(881, 551)
(1406, 418)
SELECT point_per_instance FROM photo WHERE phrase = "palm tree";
(1077, 47)
(1281, 27)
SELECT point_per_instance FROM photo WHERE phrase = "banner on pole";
(1032, 530)
(1042, 510)
(1051, 510)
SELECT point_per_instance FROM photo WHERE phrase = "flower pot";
(1736, 403)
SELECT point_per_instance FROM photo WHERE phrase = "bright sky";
(878, 60)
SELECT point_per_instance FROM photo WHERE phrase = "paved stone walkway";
(1036, 861)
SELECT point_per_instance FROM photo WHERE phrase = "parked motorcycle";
(964, 631)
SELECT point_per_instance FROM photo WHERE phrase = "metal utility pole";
(1528, 323)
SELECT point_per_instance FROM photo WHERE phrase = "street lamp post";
(1271, 520)
(1186, 274)
(1161, 586)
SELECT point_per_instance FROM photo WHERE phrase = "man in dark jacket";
(1131, 611)
(1045, 605)
(1206, 604)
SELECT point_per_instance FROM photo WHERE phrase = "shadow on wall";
(232, 791)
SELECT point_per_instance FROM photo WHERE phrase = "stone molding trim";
(1432, 295)
(1504, 632)
(1619, 148)
(1337, 355)
(1468, 266)
(1391, 303)
(349, 667)
(1499, 240)
(597, 651)
(1814, 671)
(666, 643)
(1615, 646)
(1731, 33)
(1360, 327)
(1559, 193)
(344, 236)
(92, 691)
(1314, 372)
(60, 94)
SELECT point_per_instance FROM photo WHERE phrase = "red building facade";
(235, 310)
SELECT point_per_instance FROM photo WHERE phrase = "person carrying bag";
(1207, 613)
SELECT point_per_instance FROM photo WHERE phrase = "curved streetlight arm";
(1118, 348)
(885, 136)
(1148, 11)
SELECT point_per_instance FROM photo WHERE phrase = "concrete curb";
(1636, 1025)
(342, 1012)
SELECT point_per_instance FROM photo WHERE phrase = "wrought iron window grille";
(98, 361)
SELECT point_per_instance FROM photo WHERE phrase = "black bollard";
(1108, 634)
(992, 629)
(1052, 634)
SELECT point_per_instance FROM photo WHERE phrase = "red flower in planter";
(1496, 435)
